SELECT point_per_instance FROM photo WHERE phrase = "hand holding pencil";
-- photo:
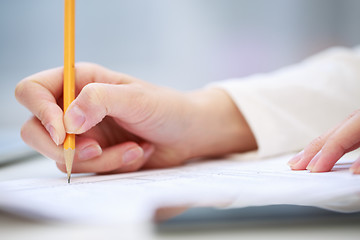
(123, 124)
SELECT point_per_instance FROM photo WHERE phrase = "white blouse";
(288, 108)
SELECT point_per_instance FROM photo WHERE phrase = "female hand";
(323, 152)
(124, 124)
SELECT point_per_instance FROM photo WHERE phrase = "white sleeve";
(288, 108)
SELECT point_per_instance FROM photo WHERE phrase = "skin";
(323, 152)
(124, 124)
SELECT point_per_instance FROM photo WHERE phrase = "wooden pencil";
(69, 78)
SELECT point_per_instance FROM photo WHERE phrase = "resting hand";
(124, 124)
(323, 152)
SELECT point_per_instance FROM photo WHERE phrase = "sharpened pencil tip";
(69, 157)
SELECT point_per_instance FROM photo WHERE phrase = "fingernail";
(74, 119)
(296, 158)
(132, 154)
(90, 151)
(313, 162)
(53, 134)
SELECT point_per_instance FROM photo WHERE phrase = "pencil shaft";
(69, 53)
(69, 75)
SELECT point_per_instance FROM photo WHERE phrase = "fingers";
(125, 157)
(322, 154)
(339, 143)
(35, 135)
(89, 157)
(129, 103)
(41, 92)
(40, 98)
(302, 159)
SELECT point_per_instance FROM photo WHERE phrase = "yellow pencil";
(69, 77)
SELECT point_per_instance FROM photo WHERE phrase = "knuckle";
(144, 106)
(333, 141)
(89, 69)
(315, 145)
(317, 142)
(94, 93)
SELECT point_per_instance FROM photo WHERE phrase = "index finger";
(51, 81)
(40, 93)
(345, 139)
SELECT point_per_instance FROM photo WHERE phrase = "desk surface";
(18, 228)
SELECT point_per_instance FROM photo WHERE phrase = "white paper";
(133, 197)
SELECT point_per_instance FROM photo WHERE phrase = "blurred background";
(183, 44)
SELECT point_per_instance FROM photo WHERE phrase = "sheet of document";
(134, 197)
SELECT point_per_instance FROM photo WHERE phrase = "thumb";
(97, 100)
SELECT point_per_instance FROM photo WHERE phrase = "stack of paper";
(134, 197)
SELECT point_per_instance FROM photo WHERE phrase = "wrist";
(217, 127)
